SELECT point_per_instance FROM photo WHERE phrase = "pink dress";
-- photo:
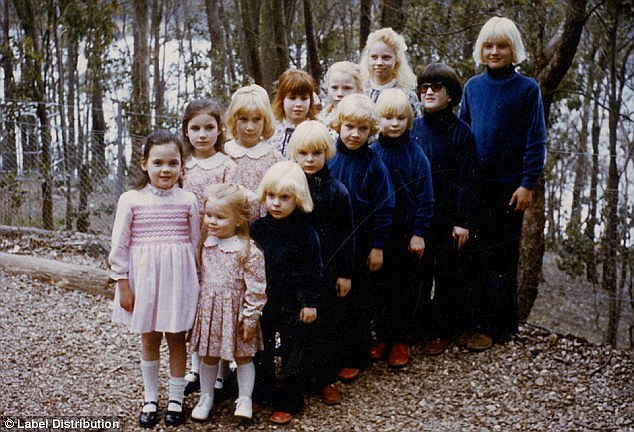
(200, 173)
(233, 290)
(154, 239)
(252, 164)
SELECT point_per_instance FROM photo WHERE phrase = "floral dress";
(200, 173)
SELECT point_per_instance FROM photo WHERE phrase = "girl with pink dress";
(233, 294)
(153, 260)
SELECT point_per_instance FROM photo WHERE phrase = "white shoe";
(202, 409)
(244, 407)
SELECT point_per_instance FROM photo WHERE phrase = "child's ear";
(143, 164)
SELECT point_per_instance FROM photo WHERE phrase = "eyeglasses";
(435, 87)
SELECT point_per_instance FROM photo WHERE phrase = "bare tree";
(393, 15)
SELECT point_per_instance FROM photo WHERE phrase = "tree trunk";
(8, 149)
(273, 28)
(218, 51)
(393, 15)
(591, 223)
(552, 71)
(158, 86)
(251, 37)
(314, 66)
(365, 22)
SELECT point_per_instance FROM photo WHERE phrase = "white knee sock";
(195, 362)
(176, 392)
(150, 373)
(208, 375)
(246, 379)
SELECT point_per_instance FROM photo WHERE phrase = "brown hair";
(294, 82)
(197, 107)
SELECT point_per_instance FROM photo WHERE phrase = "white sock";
(176, 392)
(208, 375)
(223, 373)
(246, 379)
(150, 373)
(195, 362)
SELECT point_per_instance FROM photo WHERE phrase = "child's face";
(497, 54)
(218, 220)
(393, 126)
(354, 133)
(249, 128)
(280, 205)
(202, 132)
(382, 60)
(340, 85)
(163, 165)
(296, 108)
(311, 161)
(434, 96)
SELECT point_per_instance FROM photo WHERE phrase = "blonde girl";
(232, 296)
(293, 103)
(384, 65)
(250, 122)
(153, 260)
(342, 78)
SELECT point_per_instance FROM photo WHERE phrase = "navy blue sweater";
(506, 116)
(332, 218)
(450, 147)
(411, 177)
(364, 175)
(292, 260)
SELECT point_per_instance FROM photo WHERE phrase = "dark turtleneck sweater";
(506, 115)
(411, 177)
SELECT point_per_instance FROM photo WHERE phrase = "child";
(153, 259)
(203, 138)
(384, 65)
(294, 281)
(343, 78)
(311, 146)
(450, 147)
(293, 103)
(505, 112)
(411, 177)
(250, 121)
(232, 296)
(365, 176)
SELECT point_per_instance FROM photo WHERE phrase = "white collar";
(160, 192)
(235, 150)
(376, 86)
(206, 163)
(229, 244)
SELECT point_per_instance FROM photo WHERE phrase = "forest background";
(84, 81)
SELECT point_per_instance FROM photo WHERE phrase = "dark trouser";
(494, 259)
(443, 316)
(286, 393)
(398, 293)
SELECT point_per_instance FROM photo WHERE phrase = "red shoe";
(330, 395)
(348, 374)
(281, 417)
(399, 355)
(377, 352)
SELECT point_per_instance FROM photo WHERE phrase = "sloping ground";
(61, 355)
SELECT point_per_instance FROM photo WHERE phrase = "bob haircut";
(292, 83)
(394, 102)
(250, 100)
(500, 29)
(311, 135)
(158, 137)
(195, 108)
(286, 177)
(234, 198)
(346, 68)
(359, 108)
(403, 72)
(440, 72)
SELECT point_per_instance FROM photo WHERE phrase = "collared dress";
(252, 163)
(233, 290)
(154, 238)
(200, 173)
(282, 135)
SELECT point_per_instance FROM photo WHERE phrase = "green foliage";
(12, 196)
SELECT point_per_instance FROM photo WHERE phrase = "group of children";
(327, 239)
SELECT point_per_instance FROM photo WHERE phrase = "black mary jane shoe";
(149, 419)
(175, 418)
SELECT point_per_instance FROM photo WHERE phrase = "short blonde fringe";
(286, 177)
(500, 29)
(394, 102)
(250, 100)
(311, 135)
(358, 108)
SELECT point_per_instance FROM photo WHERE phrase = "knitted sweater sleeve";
(425, 198)
(535, 139)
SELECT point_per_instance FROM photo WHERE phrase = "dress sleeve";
(194, 236)
(119, 258)
(255, 280)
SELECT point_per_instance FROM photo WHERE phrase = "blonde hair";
(286, 177)
(359, 108)
(311, 135)
(394, 102)
(498, 29)
(403, 73)
(250, 100)
(347, 68)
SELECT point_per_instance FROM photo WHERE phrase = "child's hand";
(462, 235)
(126, 296)
(416, 246)
(308, 315)
(375, 260)
(247, 331)
(343, 286)
(522, 197)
